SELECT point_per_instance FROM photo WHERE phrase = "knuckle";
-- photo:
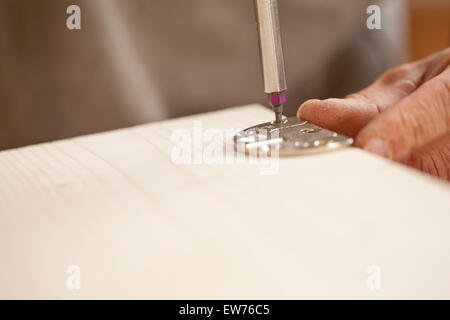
(440, 102)
(433, 162)
(443, 55)
(428, 115)
(392, 76)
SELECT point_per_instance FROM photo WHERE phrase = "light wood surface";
(140, 226)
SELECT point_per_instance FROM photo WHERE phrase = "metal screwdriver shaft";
(284, 136)
(271, 53)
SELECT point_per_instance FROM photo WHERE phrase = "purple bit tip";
(277, 98)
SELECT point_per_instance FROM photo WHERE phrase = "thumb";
(348, 116)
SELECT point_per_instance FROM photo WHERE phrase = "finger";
(436, 64)
(348, 116)
(345, 116)
(434, 158)
(415, 121)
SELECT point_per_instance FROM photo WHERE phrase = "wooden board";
(140, 226)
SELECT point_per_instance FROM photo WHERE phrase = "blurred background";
(139, 61)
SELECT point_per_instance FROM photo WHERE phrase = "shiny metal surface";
(291, 137)
(271, 51)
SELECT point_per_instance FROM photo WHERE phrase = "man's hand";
(404, 115)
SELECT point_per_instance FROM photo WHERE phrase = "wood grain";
(140, 226)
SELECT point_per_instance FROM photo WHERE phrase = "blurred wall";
(429, 27)
(138, 61)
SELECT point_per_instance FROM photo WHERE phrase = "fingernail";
(304, 103)
(376, 146)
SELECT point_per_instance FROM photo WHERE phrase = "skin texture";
(403, 116)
